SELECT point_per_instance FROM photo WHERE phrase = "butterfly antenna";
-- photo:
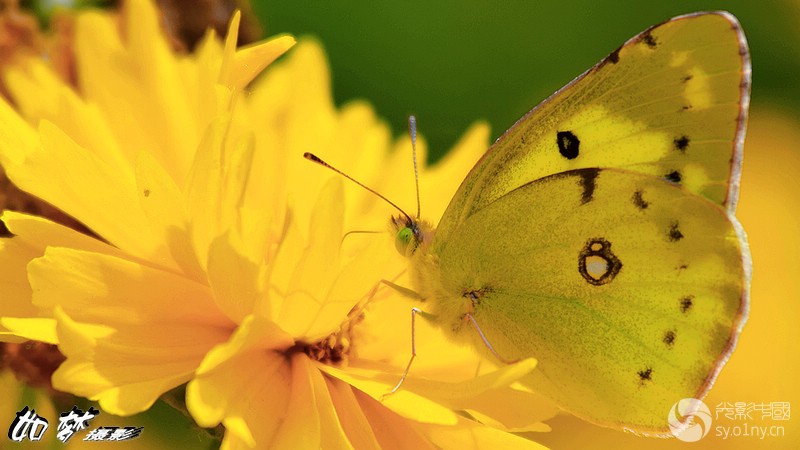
(412, 130)
(316, 159)
(359, 232)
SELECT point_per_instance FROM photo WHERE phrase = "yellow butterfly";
(597, 234)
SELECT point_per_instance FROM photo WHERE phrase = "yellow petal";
(310, 419)
(353, 419)
(25, 329)
(87, 188)
(229, 47)
(129, 332)
(239, 67)
(115, 73)
(483, 394)
(17, 138)
(391, 429)
(162, 203)
(32, 234)
(454, 392)
(510, 409)
(40, 94)
(14, 258)
(354, 282)
(236, 281)
(404, 402)
(38, 233)
(249, 61)
(319, 265)
(294, 103)
(217, 182)
(243, 383)
(479, 437)
(116, 372)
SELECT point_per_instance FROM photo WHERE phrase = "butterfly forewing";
(671, 103)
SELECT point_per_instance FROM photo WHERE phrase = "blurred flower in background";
(198, 248)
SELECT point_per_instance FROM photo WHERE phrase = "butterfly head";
(410, 234)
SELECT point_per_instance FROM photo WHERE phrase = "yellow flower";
(112, 158)
(224, 258)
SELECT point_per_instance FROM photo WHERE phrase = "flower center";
(330, 350)
(333, 349)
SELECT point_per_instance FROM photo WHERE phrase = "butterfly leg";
(485, 341)
(404, 291)
(414, 312)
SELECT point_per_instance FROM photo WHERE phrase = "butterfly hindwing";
(628, 290)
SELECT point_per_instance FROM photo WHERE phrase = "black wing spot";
(146, 192)
(648, 39)
(685, 108)
(687, 78)
(669, 339)
(687, 303)
(613, 57)
(568, 144)
(639, 201)
(673, 176)
(645, 375)
(588, 182)
(674, 232)
(681, 143)
(597, 264)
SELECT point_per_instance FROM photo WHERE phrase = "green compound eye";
(404, 237)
